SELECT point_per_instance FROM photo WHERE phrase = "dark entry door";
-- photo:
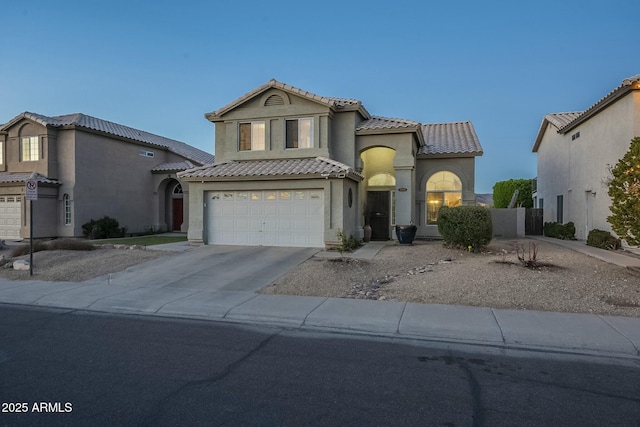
(378, 214)
(177, 214)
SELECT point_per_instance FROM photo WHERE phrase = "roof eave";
(540, 135)
(601, 105)
(450, 155)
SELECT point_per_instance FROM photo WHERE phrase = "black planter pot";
(406, 233)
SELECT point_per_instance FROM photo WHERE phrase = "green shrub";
(603, 240)
(465, 226)
(560, 231)
(503, 192)
(624, 190)
(103, 228)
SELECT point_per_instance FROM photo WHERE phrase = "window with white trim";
(299, 133)
(29, 149)
(251, 136)
(1, 152)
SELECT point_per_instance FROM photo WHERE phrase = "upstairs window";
(299, 133)
(30, 149)
(251, 136)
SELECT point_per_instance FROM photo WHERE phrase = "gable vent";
(274, 100)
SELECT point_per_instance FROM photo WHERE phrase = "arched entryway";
(177, 207)
(380, 183)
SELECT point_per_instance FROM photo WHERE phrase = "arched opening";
(444, 188)
(380, 179)
(177, 206)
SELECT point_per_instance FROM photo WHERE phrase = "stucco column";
(404, 195)
(196, 214)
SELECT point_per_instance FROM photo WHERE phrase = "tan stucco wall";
(226, 143)
(577, 169)
(113, 179)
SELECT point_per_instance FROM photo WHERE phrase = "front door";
(378, 214)
(177, 214)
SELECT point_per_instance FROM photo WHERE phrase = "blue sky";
(159, 66)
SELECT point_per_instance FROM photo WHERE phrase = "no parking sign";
(31, 189)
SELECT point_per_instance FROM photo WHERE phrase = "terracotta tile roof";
(173, 167)
(21, 177)
(332, 102)
(450, 138)
(379, 123)
(313, 167)
(89, 122)
(562, 119)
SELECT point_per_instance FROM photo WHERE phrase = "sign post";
(31, 194)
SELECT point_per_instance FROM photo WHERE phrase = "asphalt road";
(92, 369)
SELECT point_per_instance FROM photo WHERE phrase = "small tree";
(624, 190)
(503, 192)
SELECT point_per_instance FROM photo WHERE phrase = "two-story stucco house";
(87, 168)
(294, 168)
(575, 151)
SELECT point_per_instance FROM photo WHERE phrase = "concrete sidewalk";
(508, 329)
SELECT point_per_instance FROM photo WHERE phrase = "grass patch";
(52, 245)
(144, 240)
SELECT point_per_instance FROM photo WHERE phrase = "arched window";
(177, 189)
(66, 206)
(443, 189)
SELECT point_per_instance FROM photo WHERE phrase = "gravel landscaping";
(428, 272)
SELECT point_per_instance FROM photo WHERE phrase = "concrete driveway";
(215, 268)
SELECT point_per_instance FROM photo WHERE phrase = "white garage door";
(10, 217)
(266, 218)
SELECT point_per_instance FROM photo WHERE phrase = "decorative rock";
(8, 265)
(21, 265)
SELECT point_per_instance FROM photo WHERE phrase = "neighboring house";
(87, 168)
(575, 151)
(293, 168)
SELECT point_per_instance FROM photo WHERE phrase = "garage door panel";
(270, 210)
(268, 218)
(10, 217)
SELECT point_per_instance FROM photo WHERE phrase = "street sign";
(31, 189)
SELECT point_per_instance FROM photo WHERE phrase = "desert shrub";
(603, 240)
(103, 228)
(347, 243)
(560, 231)
(465, 226)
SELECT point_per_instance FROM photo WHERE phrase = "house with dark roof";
(87, 168)
(295, 169)
(575, 150)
